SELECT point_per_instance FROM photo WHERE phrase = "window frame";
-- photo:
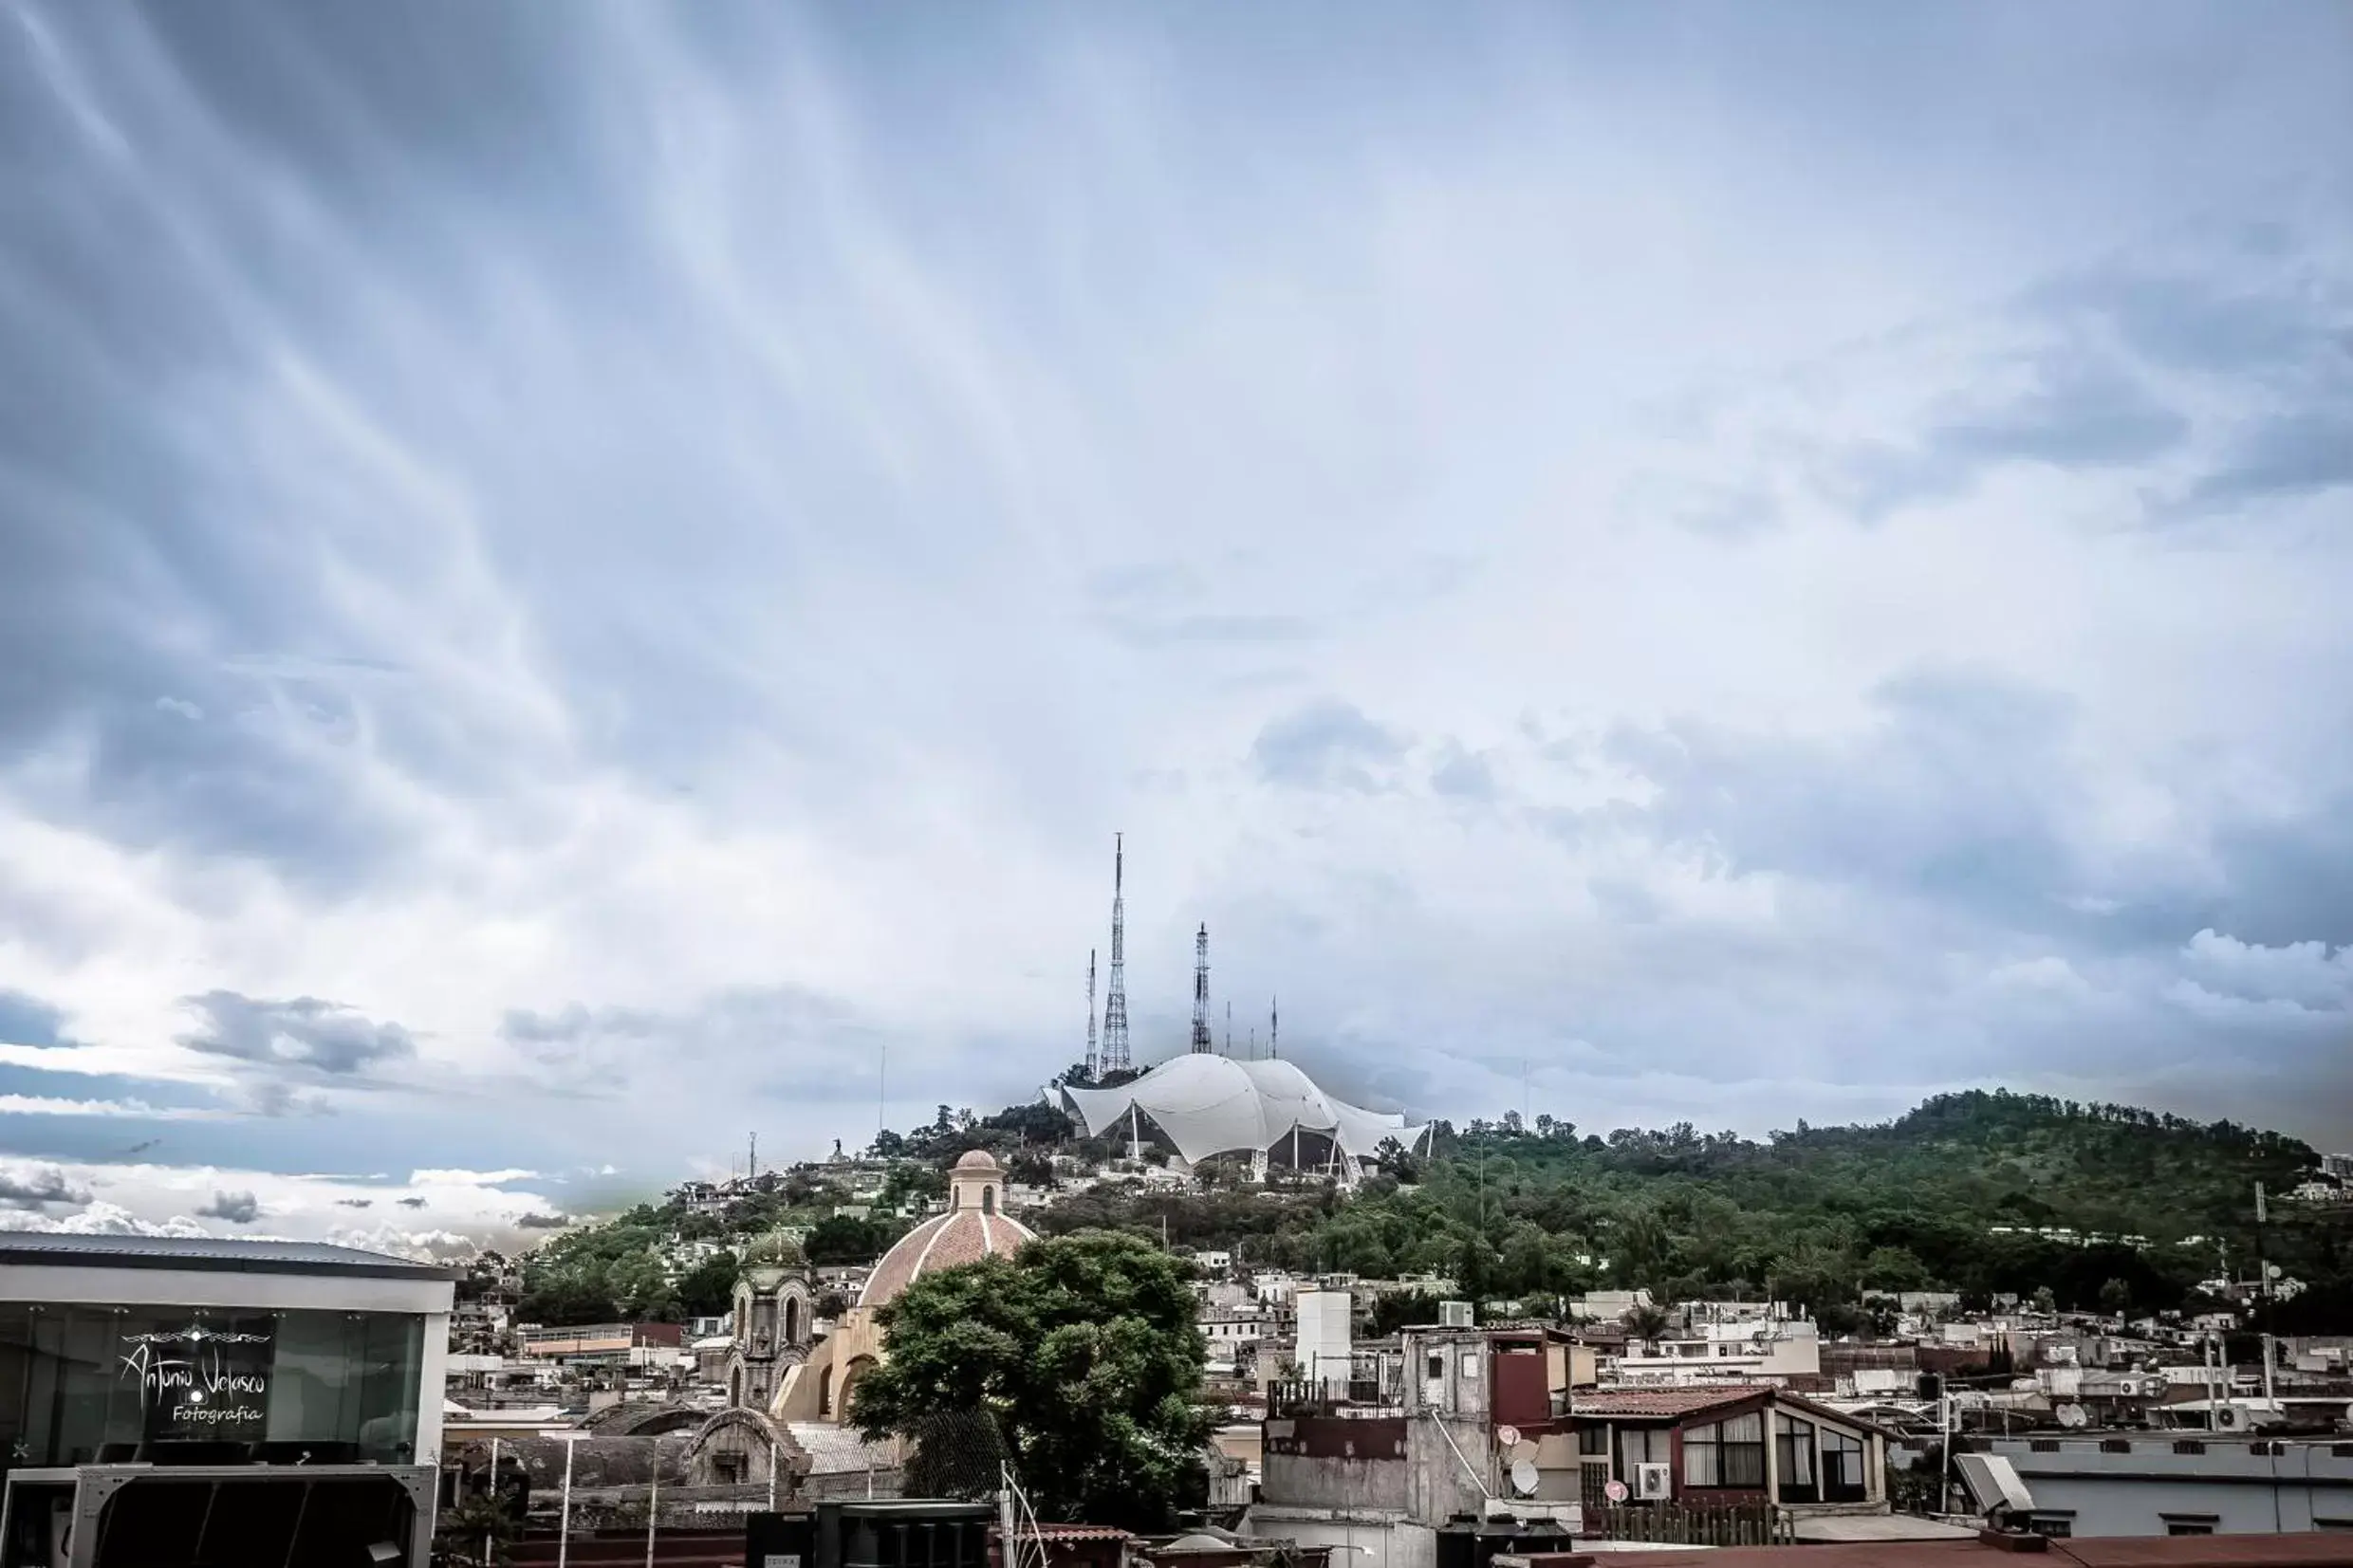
(1796, 1439)
(1712, 1458)
(1835, 1449)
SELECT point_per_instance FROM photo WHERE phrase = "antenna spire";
(1092, 1066)
(1201, 989)
(1229, 1027)
(1114, 1004)
(1274, 1026)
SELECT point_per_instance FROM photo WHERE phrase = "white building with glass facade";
(247, 1391)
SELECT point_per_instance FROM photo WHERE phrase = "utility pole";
(2263, 1278)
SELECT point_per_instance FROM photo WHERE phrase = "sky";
(581, 584)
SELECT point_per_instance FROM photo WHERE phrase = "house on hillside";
(1725, 1447)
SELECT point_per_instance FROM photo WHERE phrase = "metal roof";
(226, 1254)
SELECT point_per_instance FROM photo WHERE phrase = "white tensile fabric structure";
(1210, 1104)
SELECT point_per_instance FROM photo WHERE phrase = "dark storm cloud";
(600, 1050)
(410, 1203)
(39, 1189)
(137, 564)
(2296, 454)
(572, 1023)
(318, 1039)
(28, 1021)
(1959, 794)
(2262, 325)
(541, 1222)
(1327, 745)
(1464, 775)
(236, 1208)
(65, 1080)
(2081, 413)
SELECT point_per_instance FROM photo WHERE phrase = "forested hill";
(1980, 1192)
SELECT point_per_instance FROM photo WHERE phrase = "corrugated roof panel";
(226, 1253)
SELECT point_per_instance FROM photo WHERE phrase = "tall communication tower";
(1092, 1066)
(1115, 1003)
(1200, 991)
(1274, 1026)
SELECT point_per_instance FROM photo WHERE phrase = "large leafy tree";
(1082, 1350)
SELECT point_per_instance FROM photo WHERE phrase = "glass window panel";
(1700, 1464)
(78, 1380)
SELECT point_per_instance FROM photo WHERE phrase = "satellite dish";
(2072, 1416)
(1524, 1477)
(1615, 1491)
(1508, 1436)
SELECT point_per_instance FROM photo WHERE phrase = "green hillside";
(1978, 1192)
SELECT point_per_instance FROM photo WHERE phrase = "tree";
(2116, 1296)
(1083, 1352)
(705, 1290)
(845, 1239)
(1646, 1321)
(1394, 1159)
(2046, 1299)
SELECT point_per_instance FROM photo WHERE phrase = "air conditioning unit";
(1654, 1483)
(1454, 1315)
(2228, 1418)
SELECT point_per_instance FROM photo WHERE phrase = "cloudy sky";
(573, 578)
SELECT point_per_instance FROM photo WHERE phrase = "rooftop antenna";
(1093, 1067)
(1114, 1004)
(1200, 990)
(1274, 1026)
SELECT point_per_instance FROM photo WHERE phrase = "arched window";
(988, 1200)
(735, 1387)
(792, 1319)
(824, 1394)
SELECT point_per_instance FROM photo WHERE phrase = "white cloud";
(468, 1178)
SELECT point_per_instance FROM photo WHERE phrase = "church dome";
(973, 1227)
(959, 1236)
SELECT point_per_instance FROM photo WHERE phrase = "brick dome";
(973, 1227)
(959, 1236)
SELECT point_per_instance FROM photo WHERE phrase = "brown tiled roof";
(1672, 1403)
(1662, 1402)
(959, 1236)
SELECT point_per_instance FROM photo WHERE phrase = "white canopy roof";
(1210, 1104)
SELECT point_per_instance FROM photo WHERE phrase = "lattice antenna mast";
(1093, 1067)
(1200, 991)
(1274, 1027)
(1115, 1003)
